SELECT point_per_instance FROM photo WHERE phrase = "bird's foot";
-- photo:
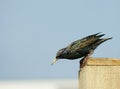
(83, 61)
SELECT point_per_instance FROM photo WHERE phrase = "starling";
(81, 48)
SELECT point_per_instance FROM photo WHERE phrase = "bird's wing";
(86, 41)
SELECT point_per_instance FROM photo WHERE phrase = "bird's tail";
(104, 39)
(99, 41)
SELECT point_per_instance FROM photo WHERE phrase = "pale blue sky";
(32, 31)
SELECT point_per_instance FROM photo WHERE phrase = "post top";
(102, 62)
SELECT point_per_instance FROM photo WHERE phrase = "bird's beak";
(54, 61)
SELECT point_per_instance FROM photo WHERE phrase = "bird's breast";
(73, 55)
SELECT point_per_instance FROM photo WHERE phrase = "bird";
(82, 48)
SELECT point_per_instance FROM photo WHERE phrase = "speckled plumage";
(81, 48)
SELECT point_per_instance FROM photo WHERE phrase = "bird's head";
(58, 56)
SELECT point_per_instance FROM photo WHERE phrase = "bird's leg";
(84, 60)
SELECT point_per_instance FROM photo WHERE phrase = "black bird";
(81, 48)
